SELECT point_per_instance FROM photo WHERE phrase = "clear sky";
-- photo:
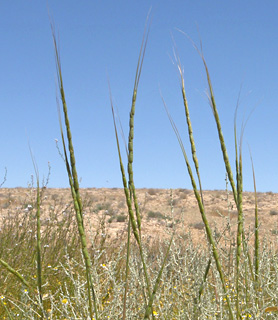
(103, 37)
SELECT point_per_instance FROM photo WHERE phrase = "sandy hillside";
(162, 210)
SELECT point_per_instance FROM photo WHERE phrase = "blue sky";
(103, 37)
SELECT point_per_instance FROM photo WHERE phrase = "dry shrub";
(153, 192)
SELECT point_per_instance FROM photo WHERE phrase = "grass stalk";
(74, 184)
(124, 180)
(128, 191)
(237, 190)
(38, 218)
(151, 298)
(130, 151)
(189, 125)
(241, 240)
(221, 138)
(256, 244)
(129, 188)
(4, 178)
(15, 273)
(7, 310)
(126, 269)
(131, 125)
(257, 252)
(239, 231)
(218, 123)
(193, 153)
(203, 214)
(128, 195)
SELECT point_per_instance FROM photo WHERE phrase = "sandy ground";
(162, 210)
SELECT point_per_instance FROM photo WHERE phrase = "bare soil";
(162, 210)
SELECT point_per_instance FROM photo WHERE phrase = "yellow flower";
(2, 298)
(65, 301)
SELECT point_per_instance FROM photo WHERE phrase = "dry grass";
(63, 271)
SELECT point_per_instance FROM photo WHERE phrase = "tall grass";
(237, 189)
(74, 184)
(129, 187)
(56, 265)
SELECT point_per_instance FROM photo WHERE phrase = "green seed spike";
(131, 124)
(188, 120)
(128, 192)
(129, 188)
(67, 123)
